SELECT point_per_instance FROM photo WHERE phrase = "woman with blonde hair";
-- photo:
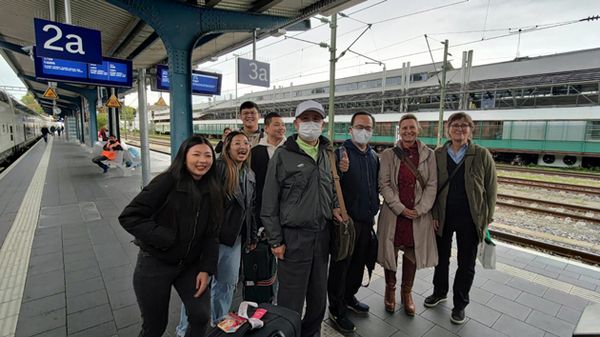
(407, 182)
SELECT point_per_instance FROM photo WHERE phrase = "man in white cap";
(298, 206)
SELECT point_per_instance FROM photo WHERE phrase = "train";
(19, 126)
(561, 137)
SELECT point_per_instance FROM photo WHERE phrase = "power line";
(421, 11)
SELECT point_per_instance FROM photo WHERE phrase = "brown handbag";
(343, 233)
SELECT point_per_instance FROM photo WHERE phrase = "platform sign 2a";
(67, 42)
(253, 72)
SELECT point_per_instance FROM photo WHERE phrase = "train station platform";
(66, 265)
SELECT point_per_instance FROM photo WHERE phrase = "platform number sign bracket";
(67, 42)
(253, 72)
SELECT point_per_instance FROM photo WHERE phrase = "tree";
(102, 120)
(127, 115)
(30, 102)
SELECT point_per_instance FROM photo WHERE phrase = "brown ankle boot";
(408, 277)
(390, 291)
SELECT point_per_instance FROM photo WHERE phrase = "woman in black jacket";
(239, 225)
(176, 222)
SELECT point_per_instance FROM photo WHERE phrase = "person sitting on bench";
(108, 152)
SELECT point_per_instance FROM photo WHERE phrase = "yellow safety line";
(16, 250)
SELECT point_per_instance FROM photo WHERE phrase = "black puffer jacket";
(170, 220)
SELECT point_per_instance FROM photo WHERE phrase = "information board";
(111, 72)
(203, 83)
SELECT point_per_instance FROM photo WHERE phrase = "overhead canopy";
(128, 37)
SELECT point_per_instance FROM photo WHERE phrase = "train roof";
(538, 114)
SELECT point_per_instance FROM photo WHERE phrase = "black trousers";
(303, 275)
(152, 281)
(467, 241)
(98, 161)
(345, 277)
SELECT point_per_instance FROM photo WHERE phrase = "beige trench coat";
(424, 235)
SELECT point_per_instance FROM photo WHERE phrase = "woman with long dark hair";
(239, 225)
(176, 222)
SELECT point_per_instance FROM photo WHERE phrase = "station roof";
(128, 37)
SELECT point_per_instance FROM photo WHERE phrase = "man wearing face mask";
(298, 205)
(359, 168)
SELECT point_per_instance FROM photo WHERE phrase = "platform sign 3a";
(113, 102)
(67, 42)
(50, 93)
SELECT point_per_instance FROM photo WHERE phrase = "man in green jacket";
(298, 205)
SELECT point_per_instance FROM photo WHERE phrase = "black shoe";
(457, 316)
(434, 300)
(358, 307)
(342, 324)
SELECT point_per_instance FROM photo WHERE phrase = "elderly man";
(298, 205)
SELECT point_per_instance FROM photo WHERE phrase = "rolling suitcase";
(278, 322)
(260, 273)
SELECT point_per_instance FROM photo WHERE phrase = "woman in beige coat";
(408, 186)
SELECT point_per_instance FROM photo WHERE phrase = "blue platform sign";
(61, 41)
(110, 72)
(203, 83)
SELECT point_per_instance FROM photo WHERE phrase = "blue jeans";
(225, 279)
(183, 323)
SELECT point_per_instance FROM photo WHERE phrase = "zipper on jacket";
(193, 236)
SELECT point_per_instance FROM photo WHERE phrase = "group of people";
(51, 131)
(194, 222)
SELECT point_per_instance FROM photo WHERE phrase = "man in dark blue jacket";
(359, 168)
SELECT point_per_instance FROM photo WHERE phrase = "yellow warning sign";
(113, 102)
(50, 93)
(161, 102)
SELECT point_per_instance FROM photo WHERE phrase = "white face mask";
(309, 131)
(361, 136)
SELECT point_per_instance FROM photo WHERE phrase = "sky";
(488, 27)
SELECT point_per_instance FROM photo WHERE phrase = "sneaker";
(434, 300)
(457, 316)
(342, 324)
(105, 169)
(358, 307)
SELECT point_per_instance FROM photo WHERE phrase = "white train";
(19, 126)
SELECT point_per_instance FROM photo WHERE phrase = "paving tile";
(584, 271)
(510, 308)
(514, 327)
(79, 264)
(527, 286)
(538, 303)
(127, 316)
(550, 324)
(441, 317)
(122, 299)
(42, 305)
(563, 298)
(472, 328)
(479, 296)
(502, 290)
(132, 330)
(86, 301)
(551, 262)
(569, 315)
(113, 273)
(107, 329)
(364, 293)
(371, 325)
(494, 275)
(481, 313)
(83, 274)
(41, 323)
(89, 318)
(577, 282)
(85, 286)
(43, 285)
(412, 326)
(542, 271)
(375, 302)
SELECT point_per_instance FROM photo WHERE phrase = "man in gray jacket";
(298, 205)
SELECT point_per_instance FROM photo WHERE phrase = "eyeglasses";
(361, 127)
(460, 126)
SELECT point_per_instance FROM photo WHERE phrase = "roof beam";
(211, 3)
(149, 40)
(132, 31)
(12, 47)
(263, 5)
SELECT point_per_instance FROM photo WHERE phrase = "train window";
(593, 131)
(565, 130)
(490, 130)
(385, 129)
(528, 130)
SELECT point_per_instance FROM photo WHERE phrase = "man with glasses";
(358, 166)
(249, 114)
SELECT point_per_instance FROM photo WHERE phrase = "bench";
(589, 322)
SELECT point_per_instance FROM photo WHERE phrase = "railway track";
(504, 200)
(546, 246)
(551, 185)
(548, 172)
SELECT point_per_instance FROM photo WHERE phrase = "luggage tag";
(255, 321)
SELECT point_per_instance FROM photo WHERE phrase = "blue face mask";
(309, 131)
